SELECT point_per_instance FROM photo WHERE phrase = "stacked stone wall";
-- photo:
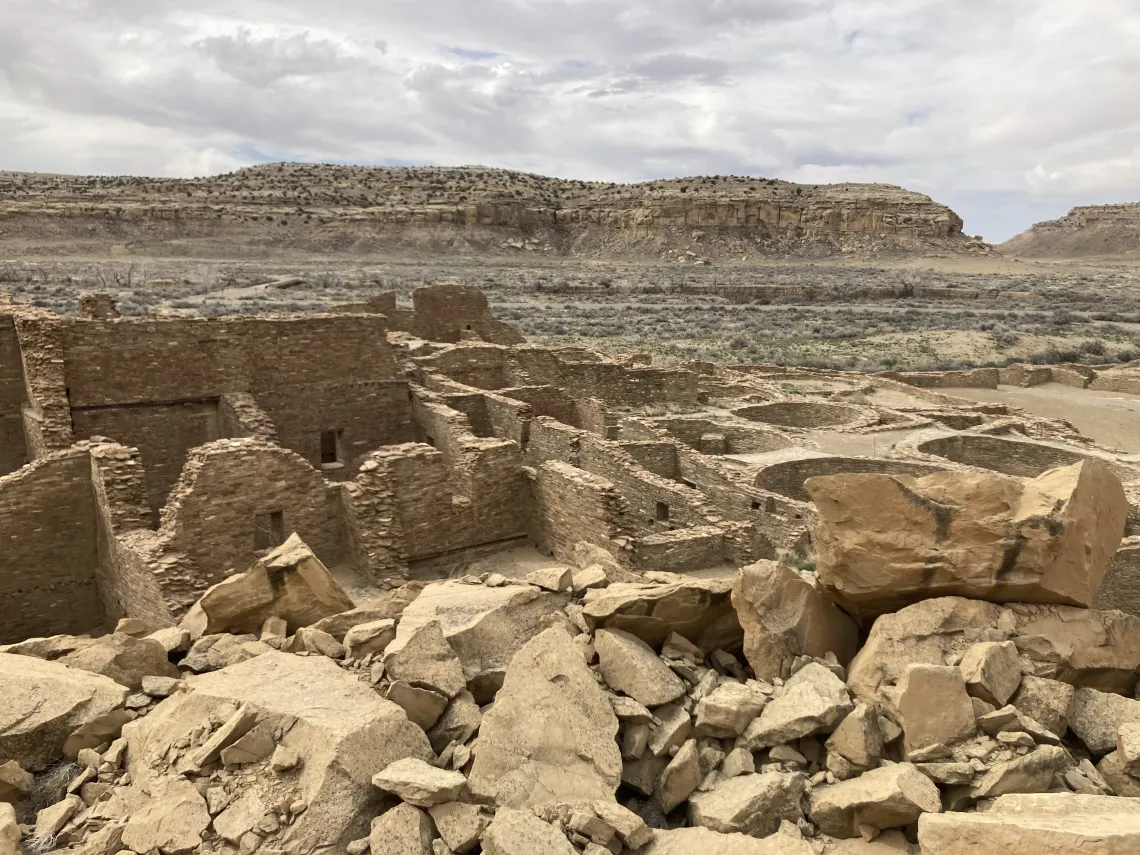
(13, 453)
(570, 505)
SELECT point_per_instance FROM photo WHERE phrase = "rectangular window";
(330, 446)
(662, 512)
(755, 506)
(268, 531)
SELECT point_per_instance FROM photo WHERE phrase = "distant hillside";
(468, 210)
(1092, 230)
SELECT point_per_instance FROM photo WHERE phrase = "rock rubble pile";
(577, 712)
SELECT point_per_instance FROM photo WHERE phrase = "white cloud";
(1010, 111)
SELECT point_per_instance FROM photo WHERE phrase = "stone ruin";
(391, 580)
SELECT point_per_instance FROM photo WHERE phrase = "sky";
(1009, 111)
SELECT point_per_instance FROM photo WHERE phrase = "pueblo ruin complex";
(145, 460)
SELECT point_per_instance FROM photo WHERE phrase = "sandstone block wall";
(569, 505)
(50, 557)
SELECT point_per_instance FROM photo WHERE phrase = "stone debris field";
(391, 580)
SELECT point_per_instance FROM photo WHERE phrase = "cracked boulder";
(888, 797)
(44, 704)
(887, 540)
(697, 609)
(289, 583)
(784, 616)
(338, 731)
(484, 626)
(814, 701)
(551, 734)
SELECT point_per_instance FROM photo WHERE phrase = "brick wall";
(660, 458)
(546, 401)
(13, 454)
(570, 505)
(552, 440)
(680, 551)
(479, 365)
(209, 524)
(49, 560)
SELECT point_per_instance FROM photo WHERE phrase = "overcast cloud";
(1011, 111)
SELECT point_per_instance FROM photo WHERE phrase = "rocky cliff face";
(474, 208)
(1090, 230)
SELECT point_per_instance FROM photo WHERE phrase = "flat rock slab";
(888, 797)
(1041, 824)
(749, 804)
(814, 701)
(516, 832)
(419, 783)
(551, 734)
(630, 665)
(698, 609)
(705, 841)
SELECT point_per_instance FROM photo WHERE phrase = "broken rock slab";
(705, 841)
(338, 730)
(887, 540)
(888, 797)
(1032, 773)
(551, 734)
(43, 703)
(484, 626)
(419, 783)
(9, 830)
(784, 616)
(460, 825)
(992, 671)
(1046, 702)
(728, 709)
(697, 609)
(1039, 824)
(403, 830)
(750, 804)
(290, 583)
(629, 665)
(425, 659)
(1096, 718)
(387, 606)
(518, 832)
(933, 707)
(814, 701)
(174, 820)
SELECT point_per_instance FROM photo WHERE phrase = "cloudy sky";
(1010, 111)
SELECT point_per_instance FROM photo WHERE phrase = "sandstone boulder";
(629, 665)
(173, 821)
(1041, 824)
(749, 804)
(425, 659)
(459, 825)
(1032, 773)
(124, 659)
(484, 626)
(858, 739)
(1078, 646)
(1096, 718)
(336, 729)
(1045, 701)
(680, 777)
(404, 830)
(9, 830)
(697, 609)
(705, 841)
(888, 797)
(517, 832)
(419, 783)
(728, 709)
(44, 703)
(368, 638)
(992, 671)
(814, 701)
(387, 606)
(551, 734)
(884, 541)
(933, 707)
(783, 616)
(15, 782)
(290, 583)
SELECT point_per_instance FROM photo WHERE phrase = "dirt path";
(1110, 418)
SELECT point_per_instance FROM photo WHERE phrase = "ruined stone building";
(144, 460)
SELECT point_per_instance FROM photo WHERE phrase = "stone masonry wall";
(49, 562)
(570, 505)
(13, 454)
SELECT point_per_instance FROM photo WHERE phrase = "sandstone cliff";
(469, 210)
(1091, 230)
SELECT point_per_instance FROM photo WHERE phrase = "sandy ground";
(1110, 418)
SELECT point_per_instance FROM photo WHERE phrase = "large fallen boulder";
(335, 729)
(124, 659)
(784, 616)
(44, 703)
(887, 540)
(1039, 824)
(1082, 647)
(485, 626)
(290, 583)
(551, 734)
(697, 609)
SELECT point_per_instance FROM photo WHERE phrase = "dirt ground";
(1110, 418)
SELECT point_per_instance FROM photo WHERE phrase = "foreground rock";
(419, 783)
(814, 701)
(46, 708)
(484, 626)
(1061, 643)
(705, 841)
(550, 736)
(783, 616)
(629, 665)
(888, 797)
(750, 804)
(337, 731)
(884, 541)
(289, 583)
(697, 609)
(516, 832)
(1041, 824)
